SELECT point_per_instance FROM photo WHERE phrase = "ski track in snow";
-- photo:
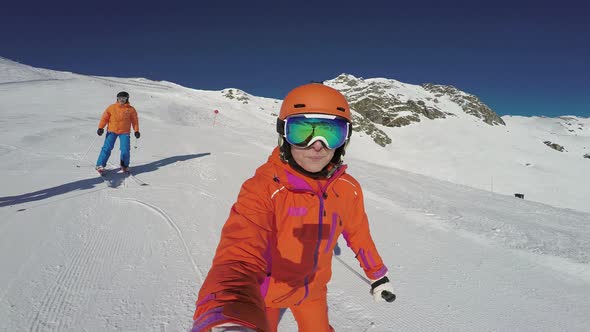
(405, 316)
(172, 224)
(60, 306)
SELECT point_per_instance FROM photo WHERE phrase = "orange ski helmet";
(315, 98)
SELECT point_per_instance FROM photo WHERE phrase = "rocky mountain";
(390, 103)
(564, 134)
(236, 94)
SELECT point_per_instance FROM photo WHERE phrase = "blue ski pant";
(109, 144)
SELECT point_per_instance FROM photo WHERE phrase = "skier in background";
(276, 247)
(119, 117)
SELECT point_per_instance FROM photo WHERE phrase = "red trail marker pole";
(215, 116)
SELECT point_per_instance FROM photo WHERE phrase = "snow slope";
(463, 149)
(78, 254)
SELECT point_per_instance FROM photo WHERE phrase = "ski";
(138, 181)
(104, 172)
(127, 173)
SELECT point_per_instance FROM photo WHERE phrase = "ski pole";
(90, 147)
(360, 276)
(386, 295)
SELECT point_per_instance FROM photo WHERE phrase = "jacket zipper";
(316, 253)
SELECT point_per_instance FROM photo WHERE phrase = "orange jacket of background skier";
(119, 118)
(276, 246)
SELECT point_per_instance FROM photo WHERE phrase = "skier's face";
(121, 100)
(313, 158)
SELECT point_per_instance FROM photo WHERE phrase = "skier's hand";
(100, 131)
(137, 134)
(382, 290)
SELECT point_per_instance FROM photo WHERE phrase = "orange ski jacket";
(276, 246)
(119, 118)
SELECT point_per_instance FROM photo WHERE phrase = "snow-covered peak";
(393, 103)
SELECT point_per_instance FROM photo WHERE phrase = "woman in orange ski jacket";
(276, 247)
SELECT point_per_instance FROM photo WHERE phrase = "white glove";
(382, 290)
(231, 327)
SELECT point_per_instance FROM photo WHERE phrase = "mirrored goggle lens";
(303, 132)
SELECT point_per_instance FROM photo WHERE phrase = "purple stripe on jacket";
(364, 259)
(332, 231)
(379, 274)
(208, 318)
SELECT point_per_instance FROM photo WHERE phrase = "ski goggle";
(304, 130)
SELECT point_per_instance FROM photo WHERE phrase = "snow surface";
(81, 254)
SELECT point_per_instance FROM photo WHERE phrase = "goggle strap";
(281, 127)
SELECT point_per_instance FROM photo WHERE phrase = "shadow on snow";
(91, 183)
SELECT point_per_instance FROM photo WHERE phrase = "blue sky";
(519, 59)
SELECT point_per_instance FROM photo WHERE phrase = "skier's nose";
(317, 145)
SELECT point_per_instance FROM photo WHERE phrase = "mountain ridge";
(460, 147)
